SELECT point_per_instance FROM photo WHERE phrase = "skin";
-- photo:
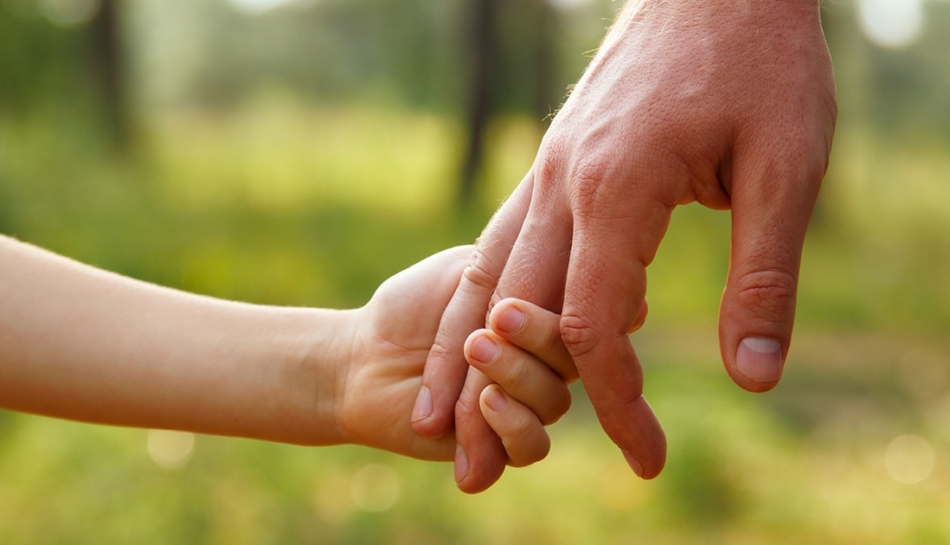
(389, 356)
(728, 104)
(536, 390)
(84, 344)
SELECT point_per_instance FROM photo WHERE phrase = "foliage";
(300, 206)
(278, 197)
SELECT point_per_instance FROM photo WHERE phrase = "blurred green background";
(301, 152)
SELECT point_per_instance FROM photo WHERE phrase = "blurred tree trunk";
(482, 45)
(107, 70)
(545, 59)
(513, 65)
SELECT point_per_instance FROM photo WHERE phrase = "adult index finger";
(445, 370)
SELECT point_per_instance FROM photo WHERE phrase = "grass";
(289, 205)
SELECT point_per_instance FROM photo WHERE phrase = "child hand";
(392, 335)
(523, 353)
(378, 384)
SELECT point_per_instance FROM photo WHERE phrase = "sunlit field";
(289, 204)
(302, 155)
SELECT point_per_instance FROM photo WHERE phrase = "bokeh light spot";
(258, 6)
(891, 23)
(375, 488)
(70, 12)
(332, 500)
(570, 4)
(170, 449)
(909, 459)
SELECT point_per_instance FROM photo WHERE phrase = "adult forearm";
(735, 6)
(80, 343)
(728, 17)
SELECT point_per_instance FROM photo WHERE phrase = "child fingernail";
(511, 321)
(495, 399)
(423, 407)
(484, 350)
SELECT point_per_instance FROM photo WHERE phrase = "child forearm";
(80, 343)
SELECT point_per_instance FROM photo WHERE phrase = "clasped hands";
(729, 105)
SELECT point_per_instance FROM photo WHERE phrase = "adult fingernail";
(461, 464)
(484, 350)
(511, 321)
(423, 406)
(634, 464)
(495, 400)
(759, 359)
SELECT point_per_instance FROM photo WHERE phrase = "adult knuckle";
(466, 407)
(438, 352)
(464, 411)
(768, 294)
(549, 165)
(445, 357)
(578, 334)
(481, 271)
(587, 180)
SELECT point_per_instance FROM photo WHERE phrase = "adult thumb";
(772, 203)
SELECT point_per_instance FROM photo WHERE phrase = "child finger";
(522, 434)
(536, 330)
(522, 375)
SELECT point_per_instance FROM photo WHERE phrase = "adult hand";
(730, 104)
(373, 382)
